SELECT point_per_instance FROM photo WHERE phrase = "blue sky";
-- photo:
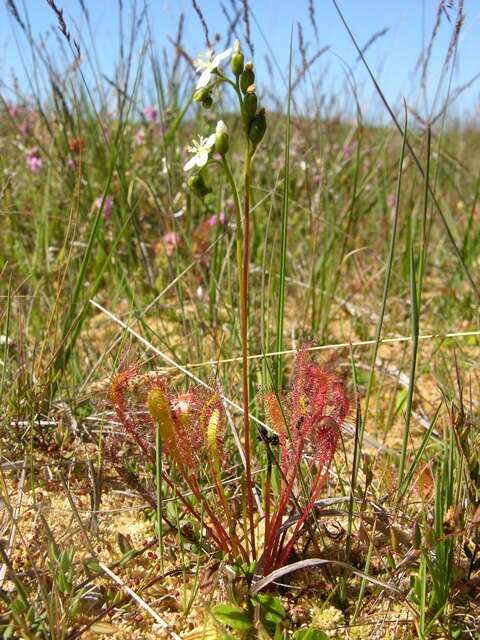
(393, 56)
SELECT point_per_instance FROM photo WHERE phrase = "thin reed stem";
(244, 333)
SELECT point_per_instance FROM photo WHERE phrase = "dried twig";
(311, 15)
(63, 26)
(139, 601)
(199, 13)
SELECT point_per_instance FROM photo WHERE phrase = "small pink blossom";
(212, 221)
(161, 128)
(391, 200)
(139, 137)
(347, 151)
(107, 207)
(150, 113)
(317, 178)
(171, 240)
(34, 161)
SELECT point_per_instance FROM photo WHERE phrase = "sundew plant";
(239, 321)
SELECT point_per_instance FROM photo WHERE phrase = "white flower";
(208, 63)
(201, 150)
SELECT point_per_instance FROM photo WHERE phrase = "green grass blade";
(283, 242)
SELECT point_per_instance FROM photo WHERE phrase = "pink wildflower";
(107, 207)
(161, 128)
(347, 151)
(212, 221)
(171, 240)
(13, 110)
(34, 161)
(150, 113)
(391, 200)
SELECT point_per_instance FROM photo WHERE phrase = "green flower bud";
(200, 94)
(221, 138)
(250, 104)
(204, 96)
(257, 128)
(198, 185)
(247, 78)
(207, 101)
(237, 59)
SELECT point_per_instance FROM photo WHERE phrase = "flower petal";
(190, 164)
(220, 57)
(210, 141)
(201, 158)
(204, 79)
(203, 60)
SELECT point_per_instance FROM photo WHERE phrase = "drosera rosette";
(308, 423)
(191, 426)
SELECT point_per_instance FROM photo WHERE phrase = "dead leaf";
(104, 628)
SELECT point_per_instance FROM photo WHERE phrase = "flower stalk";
(254, 125)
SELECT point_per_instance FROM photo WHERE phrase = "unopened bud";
(257, 127)
(199, 94)
(207, 101)
(221, 138)
(247, 78)
(198, 185)
(250, 103)
(237, 59)
(204, 96)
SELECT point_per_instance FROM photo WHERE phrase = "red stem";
(244, 329)
(305, 513)
(192, 511)
(273, 533)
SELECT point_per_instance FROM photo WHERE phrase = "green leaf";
(233, 616)
(123, 543)
(272, 611)
(401, 399)
(127, 557)
(310, 634)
